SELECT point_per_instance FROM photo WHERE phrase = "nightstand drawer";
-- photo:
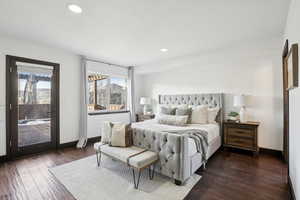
(241, 135)
(240, 132)
(241, 142)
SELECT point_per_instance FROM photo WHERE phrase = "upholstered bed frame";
(174, 159)
(211, 99)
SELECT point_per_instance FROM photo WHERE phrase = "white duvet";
(213, 130)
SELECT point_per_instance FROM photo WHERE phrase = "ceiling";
(132, 32)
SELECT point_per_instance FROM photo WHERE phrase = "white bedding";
(213, 130)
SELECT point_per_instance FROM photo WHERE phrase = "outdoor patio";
(34, 132)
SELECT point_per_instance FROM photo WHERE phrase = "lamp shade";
(239, 101)
(145, 101)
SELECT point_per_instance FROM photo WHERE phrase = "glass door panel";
(34, 104)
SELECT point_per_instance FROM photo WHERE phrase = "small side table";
(241, 135)
(142, 117)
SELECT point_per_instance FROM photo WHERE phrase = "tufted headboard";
(212, 100)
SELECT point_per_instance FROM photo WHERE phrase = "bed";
(179, 158)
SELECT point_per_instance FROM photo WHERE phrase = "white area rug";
(113, 181)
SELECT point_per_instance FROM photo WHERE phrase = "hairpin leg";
(151, 172)
(136, 182)
(98, 155)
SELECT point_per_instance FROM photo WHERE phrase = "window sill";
(108, 112)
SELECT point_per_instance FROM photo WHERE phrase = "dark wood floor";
(229, 175)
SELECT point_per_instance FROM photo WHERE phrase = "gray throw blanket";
(199, 136)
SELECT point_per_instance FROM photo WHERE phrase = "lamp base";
(243, 115)
(147, 110)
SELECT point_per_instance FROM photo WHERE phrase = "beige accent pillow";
(121, 135)
(212, 114)
(200, 114)
(106, 132)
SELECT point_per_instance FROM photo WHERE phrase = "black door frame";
(11, 107)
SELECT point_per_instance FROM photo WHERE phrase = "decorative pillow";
(172, 119)
(212, 114)
(179, 109)
(121, 135)
(167, 110)
(106, 132)
(184, 110)
(199, 114)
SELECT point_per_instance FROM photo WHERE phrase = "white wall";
(69, 76)
(69, 89)
(292, 33)
(252, 68)
(95, 122)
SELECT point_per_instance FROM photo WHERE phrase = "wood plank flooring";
(229, 175)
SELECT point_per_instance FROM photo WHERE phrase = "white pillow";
(172, 119)
(199, 114)
(212, 114)
(106, 132)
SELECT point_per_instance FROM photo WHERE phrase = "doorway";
(32, 112)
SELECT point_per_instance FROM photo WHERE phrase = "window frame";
(103, 112)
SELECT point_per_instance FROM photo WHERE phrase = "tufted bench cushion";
(139, 161)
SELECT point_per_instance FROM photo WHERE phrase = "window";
(107, 94)
(34, 88)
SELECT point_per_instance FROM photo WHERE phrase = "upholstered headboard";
(212, 100)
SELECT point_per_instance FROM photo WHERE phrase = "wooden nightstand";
(142, 117)
(241, 135)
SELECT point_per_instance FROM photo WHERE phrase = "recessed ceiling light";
(75, 8)
(163, 50)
